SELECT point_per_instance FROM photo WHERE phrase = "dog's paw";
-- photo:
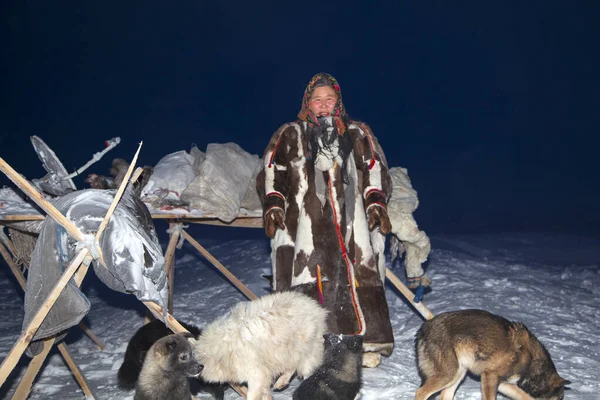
(371, 359)
(283, 381)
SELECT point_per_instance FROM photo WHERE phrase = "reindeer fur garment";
(326, 205)
(277, 334)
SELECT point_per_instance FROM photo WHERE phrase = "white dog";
(275, 335)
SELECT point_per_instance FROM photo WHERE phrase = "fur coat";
(326, 249)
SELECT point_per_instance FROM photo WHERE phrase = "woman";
(325, 186)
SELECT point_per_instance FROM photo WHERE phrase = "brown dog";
(507, 356)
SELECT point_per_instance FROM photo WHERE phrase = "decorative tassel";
(320, 285)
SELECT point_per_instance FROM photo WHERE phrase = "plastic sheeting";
(170, 177)
(224, 178)
(133, 256)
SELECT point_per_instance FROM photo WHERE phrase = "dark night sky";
(492, 108)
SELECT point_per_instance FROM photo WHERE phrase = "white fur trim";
(378, 243)
(360, 225)
(377, 347)
(376, 205)
(304, 237)
(304, 277)
(269, 174)
(282, 238)
(374, 177)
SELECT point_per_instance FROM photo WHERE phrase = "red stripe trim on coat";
(371, 145)
(274, 150)
(377, 204)
(276, 194)
(373, 190)
(346, 259)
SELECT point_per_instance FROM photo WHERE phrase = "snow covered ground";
(550, 282)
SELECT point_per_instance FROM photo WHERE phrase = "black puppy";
(168, 364)
(339, 378)
(139, 345)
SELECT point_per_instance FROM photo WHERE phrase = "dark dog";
(339, 378)
(168, 364)
(139, 345)
(507, 356)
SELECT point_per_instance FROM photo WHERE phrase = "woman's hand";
(273, 220)
(378, 216)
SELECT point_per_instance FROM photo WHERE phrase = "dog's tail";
(128, 374)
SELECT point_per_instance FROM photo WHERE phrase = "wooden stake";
(64, 351)
(6, 240)
(27, 335)
(86, 329)
(236, 282)
(33, 368)
(171, 322)
(136, 174)
(13, 267)
(23, 217)
(39, 199)
(36, 363)
(78, 278)
(420, 307)
(170, 261)
(118, 195)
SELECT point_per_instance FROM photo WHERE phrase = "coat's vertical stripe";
(349, 267)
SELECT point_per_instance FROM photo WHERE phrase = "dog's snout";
(197, 369)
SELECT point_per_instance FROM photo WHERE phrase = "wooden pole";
(78, 278)
(171, 322)
(13, 267)
(39, 199)
(19, 347)
(420, 307)
(26, 336)
(7, 242)
(88, 331)
(136, 174)
(170, 261)
(36, 363)
(64, 351)
(118, 195)
(236, 282)
(33, 368)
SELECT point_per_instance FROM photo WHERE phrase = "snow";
(550, 282)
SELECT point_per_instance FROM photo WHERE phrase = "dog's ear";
(354, 342)
(557, 381)
(170, 345)
(187, 335)
(331, 339)
(164, 346)
(519, 334)
(268, 278)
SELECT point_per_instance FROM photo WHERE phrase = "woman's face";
(322, 101)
